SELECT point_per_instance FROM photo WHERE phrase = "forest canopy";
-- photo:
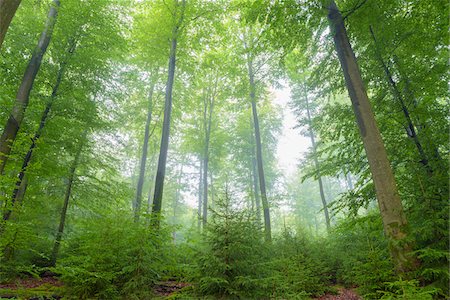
(224, 149)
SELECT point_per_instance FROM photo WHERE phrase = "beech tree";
(23, 94)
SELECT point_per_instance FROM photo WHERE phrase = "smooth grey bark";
(23, 94)
(62, 219)
(389, 202)
(176, 201)
(317, 165)
(161, 171)
(8, 9)
(255, 182)
(140, 183)
(21, 184)
(259, 160)
(200, 196)
(410, 129)
(208, 107)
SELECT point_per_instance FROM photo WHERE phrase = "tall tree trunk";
(23, 94)
(317, 165)
(200, 193)
(62, 220)
(207, 120)
(161, 171)
(262, 180)
(256, 184)
(410, 129)
(140, 184)
(391, 208)
(21, 185)
(176, 201)
(8, 9)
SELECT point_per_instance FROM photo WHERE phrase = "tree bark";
(262, 181)
(21, 185)
(317, 165)
(140, 184)
(161, 171)
(62, 220)
(200, 193)
(391, 208)
(8, 9)
(23, 94)
(410, 129)
(207, 120)
(256, 184)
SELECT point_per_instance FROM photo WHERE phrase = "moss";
(45, 291)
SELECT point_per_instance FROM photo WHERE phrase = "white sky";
(292, 146)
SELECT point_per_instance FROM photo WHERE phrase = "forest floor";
(343, 294)
(32, 288)
(52, 288)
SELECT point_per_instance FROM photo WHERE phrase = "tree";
(143, 162)
(391, 208)
(160, 173)
(23, 94)
(7, 11)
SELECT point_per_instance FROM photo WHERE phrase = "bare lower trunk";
(317, 165)
(200, 194)
(140, 184)
(62, 220)
(391, 208)
(23, 94)
(161, 171)
(8, 9)
(207, 121)
(256, 186)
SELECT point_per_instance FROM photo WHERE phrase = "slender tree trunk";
(140, 184)
(262, 181)
(200, 193)
(410, 129)
(211, 184)
(256, 185)
(207, 120)
(62, 220)
(176, 201)
(21, 185)
(161, 171)
(23, 94)
(317, 165)
(8, 9)
(391, 208)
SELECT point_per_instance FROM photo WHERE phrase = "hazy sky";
(291, 144)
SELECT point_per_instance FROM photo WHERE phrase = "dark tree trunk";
(62, 220)
(259, 159)
(391, 208)
(21, 185)
(8, 9)
(410, 129)
(161, 171)
(317, 165)
(140, 184)
(23, 94)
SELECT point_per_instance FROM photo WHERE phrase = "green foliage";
(231, 262)
(405, 290)
(107, 261)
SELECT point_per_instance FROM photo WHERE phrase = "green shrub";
(114, 257)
